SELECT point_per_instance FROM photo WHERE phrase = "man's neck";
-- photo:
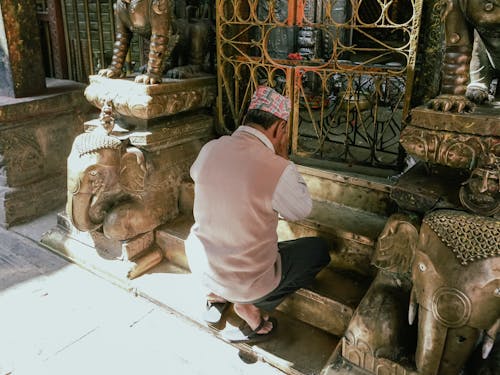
(263, 131)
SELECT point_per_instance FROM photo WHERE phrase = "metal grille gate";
(347, 64)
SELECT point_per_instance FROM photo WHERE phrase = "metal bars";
(89, 28)
(347, 64)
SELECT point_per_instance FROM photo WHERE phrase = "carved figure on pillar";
(481, 192)
(472, 54)
(113, 189)
(154, 20)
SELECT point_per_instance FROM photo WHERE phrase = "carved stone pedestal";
(36, 134)
(456, 140)
(124, 179)
(169, 150)
(469, 143)
(141, 106)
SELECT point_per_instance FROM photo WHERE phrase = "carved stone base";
(170, 150)
(141, 106)
(451, 139)
(98, 254)
(421, 188)
(35, 138)
(349, 360)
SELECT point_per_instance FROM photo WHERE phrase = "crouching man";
(242, 182)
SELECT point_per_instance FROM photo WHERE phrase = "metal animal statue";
(472, 55)
(155, 20)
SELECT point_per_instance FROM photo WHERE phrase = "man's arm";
(291, 198)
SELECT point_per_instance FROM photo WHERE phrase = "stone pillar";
(21, 65)
(36, 134)
(139, 164)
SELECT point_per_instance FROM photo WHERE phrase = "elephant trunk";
(77, 207)
(442, 350)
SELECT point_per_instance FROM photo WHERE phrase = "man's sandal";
(245, 334)
(214, 311)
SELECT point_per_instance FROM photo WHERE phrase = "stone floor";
(56, 318)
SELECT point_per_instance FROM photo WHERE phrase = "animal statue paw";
(186, 71)
(477, 92)
(148, 79)
(111, 73)
(451, 103)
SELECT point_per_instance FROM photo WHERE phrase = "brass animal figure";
(448, 270)
(155, 20)
(468, 72)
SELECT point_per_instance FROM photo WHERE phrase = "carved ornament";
(146, 102)
(448, 148)
(470, 237)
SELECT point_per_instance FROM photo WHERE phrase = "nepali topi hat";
(268, 100)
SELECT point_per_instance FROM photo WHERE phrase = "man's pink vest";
(233, 243)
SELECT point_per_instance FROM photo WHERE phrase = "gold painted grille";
(347, 65)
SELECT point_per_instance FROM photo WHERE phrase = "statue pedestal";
(132, 174)
(466, 142)
(138, 106)
(455, 140)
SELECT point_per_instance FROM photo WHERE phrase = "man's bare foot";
(251, 314)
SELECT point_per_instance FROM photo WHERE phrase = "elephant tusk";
(139, 157)
(489, 340)
(413, 307)
(487, 346)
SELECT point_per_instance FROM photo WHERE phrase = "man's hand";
(283, 140)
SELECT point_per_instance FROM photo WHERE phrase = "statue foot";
(186, 71)
(477, 92)
(145, 263)
(111, 73)
(137, 245)
(148, 79)
(451, 103)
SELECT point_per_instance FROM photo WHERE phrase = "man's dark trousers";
(301, 260)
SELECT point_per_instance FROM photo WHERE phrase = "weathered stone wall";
(36, 135)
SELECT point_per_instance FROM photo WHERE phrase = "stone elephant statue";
(155, 20)
(111, 188)
(472, 54)
(456, 288)
(448, 271)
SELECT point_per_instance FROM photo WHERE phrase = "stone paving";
(56, 318)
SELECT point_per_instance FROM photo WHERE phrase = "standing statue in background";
(472, 55)
(155, 20)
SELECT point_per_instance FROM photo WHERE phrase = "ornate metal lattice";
(347, 64)
(470, 237)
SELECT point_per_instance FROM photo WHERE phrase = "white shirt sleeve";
(291, 198)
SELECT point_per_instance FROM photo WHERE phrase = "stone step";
(353, 233)
(328, 304)
(296, 348)
(366, 193)
(363, 192)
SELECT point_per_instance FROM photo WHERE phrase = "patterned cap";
(268, 100)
